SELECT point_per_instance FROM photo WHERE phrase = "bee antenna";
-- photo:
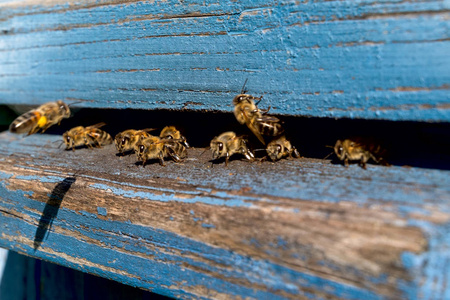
(206, 149)
(60, 143)
(259, 149)
(328, 155)
(69, 105)
(328, 146)
(257, 103)
(243, 87)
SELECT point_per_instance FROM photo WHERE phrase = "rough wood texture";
(357, 59)
(34, 279)
(295, 229)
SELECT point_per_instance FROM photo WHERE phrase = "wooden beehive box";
(295, 229)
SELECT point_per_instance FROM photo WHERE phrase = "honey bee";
(227, 144)
(360, 150)
(128, 139)
(170, 132)
(281, 147)
(41, 118)
(154, 147)
(247, 112)
(87, 136)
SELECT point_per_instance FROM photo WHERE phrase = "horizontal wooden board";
(364, 59)
(301, 228)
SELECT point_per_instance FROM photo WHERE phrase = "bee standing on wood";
(170, 132)
(281, 147)
(261, 124)
(227, 144)
(88, 136)
(156, 148)
(41, 118)
(361, 150)
(128, 139)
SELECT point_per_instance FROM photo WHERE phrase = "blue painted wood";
(29, 278)
(366, 59)
(302, 228)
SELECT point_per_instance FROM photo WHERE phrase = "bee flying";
(41, 118)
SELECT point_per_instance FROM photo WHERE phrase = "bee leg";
(295, 152)
(265, 111)
(226, 160)
(88, 144)
(249, 155)
(383, 162)
(380, 161)
(362, 163)
(161, 159)
(45, 128)
(34, 130)
(175, 157)
(184, 142)
(346, 162)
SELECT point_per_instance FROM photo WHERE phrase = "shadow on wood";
(51, 209)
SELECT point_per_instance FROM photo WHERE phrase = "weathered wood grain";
(295, 229)
(365, 59)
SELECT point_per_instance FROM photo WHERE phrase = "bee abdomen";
(105, 138)
(25, 122)
(271, 128)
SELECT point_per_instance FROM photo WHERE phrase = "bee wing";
(270, 125)
(256, 132)
(98, 125)
(266, 118)
(148, 129)
(93, 134)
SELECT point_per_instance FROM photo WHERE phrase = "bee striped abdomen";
(99, 136)
(26, 122)
(270, 128)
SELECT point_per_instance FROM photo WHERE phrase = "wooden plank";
(295, 229)
(28, 278)
(365, 59)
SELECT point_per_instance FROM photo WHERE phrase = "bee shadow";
(126, 153)
(51, 209)
(221, 160)
(149, 163)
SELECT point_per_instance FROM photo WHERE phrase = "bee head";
(67, 140)
(241, 98)
(274, 151)
(120, 141)
(63, 108)
(339, 150)
(139, 150)
(217, 149)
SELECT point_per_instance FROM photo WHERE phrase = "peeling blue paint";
(165, 267)
(431, 267)
(230, 201)
(311, 59)
(45, 179)
(206, 225)
(4, 175)
(166, 264)
(102, 211)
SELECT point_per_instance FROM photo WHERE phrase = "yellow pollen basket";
(42, 121)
